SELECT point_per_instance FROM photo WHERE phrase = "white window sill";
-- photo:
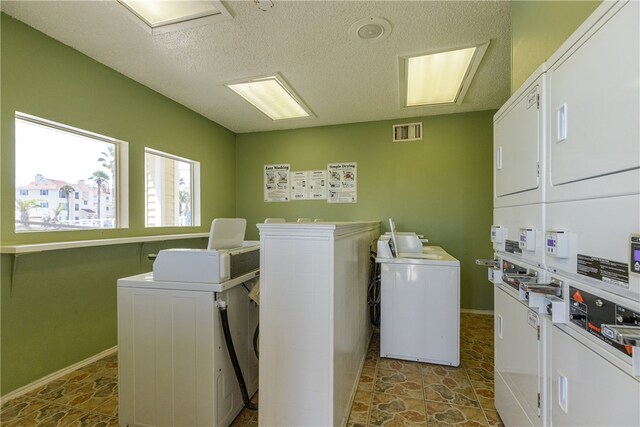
(42, 247)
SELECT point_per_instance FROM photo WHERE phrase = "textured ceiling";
(341, 80)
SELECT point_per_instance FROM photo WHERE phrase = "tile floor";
(85, 397)
(390, 392)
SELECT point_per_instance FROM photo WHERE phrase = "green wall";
(62, 308)
(440, 186)
(45, 78)
(538, 28)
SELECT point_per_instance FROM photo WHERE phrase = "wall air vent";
(407, 132)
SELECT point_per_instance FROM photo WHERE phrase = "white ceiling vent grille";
(407, 132)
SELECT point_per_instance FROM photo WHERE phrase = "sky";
(55, 154)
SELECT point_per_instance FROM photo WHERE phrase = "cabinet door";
(587, 390)
(594, 110)
(517, 355)
(166, 365)
(518, 135)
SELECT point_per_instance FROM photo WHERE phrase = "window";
(76, 208)
(75, 164)
(172, 191)
(85, 203)
(44, 204)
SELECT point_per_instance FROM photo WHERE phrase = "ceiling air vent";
(407, 132)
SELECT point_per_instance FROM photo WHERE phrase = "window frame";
(195, 187)
(121, 154)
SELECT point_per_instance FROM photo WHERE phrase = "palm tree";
(24, 206)
(108, 159)
(67, 189)
(55, 214)
(100, 178)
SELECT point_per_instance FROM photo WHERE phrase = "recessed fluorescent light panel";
(161, 16)
(439, 78)
(272, 96)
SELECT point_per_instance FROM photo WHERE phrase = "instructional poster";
(343, 186)
(299, 185)
(276, 183)
(318, 185)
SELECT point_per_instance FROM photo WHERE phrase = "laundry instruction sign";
(336, 184)
(277, 182)
(343, 182)
(309, 185)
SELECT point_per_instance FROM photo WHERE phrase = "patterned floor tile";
(19, 407)
(94, 420)
(480, 375)
(469, 355)
(90, 398)
(390, 392)
(443, 414)
(390, 410)
(245, 418)
(456, 391)
(485, 395)
(360, 408)
(493, 418)
(49, 415)
(57, 391)
(399, 365)
(443, 371)
(110, 407)
(398, 383)
(367, 378)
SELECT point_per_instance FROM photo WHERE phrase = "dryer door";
(587, 390)
(517, 140)
(517, 361)
(594, 106)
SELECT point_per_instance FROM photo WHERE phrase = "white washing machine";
(174, 368)
(420, 307)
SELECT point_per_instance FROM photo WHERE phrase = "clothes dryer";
(594, 107)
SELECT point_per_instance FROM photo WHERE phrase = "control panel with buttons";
(590, 312)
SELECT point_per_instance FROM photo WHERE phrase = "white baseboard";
(62, 372)
(472, 311)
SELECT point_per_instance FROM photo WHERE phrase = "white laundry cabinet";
(314, 321)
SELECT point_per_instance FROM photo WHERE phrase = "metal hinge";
(538, 400)
(538, 171)
(538, 328)
(538, 101)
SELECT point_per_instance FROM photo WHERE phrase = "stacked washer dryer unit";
(593, 219)
(521, 333)
(566, 225)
